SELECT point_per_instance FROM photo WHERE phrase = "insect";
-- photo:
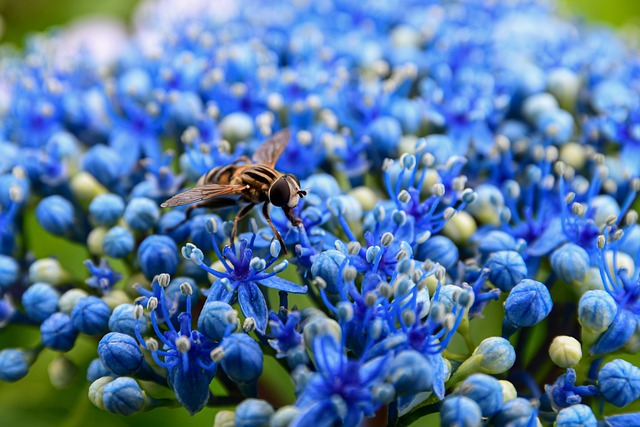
(254, 180)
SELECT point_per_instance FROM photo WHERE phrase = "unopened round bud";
(565, 351)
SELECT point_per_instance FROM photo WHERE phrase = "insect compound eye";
(279, 193)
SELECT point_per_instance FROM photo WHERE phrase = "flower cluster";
(467, 245)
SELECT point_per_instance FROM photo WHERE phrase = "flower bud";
(327, 266)
(516, 412)
(55, 214)
(497, 354)
(122, 320)
(486, 391)
(48, 270)
(596, 311)
(319, 326)
(284, 416)
(619, 382)
(106, 209)
(58, 333)
(495, 241)
(14, 364)
(488, 203)
(565, 351)
(506, 269)
(9, 272)
(576, 415)
(459, 411)
(528, 303)
(224, 419)
(410, 373)
(253, 413)
(62, 372)
(97, 370)
(158, 254)
(69, 299)
(385, 133)
(214, 320)
(120, 353)
(141, 214)
(104, 163)
(118, 242)
(40, 301)
(90, 316)
(243, 358)
(123, 396)
(570, 262)
(508, 390)
(439, 249)
(96, 390)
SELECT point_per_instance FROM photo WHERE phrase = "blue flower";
(102, 277)
(564, 393)
(241, 277)
(341, 389)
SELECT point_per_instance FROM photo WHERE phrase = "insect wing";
(204, 192)
(269, 151)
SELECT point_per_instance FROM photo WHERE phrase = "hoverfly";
(255, 180)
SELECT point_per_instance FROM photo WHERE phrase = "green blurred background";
(33, 402)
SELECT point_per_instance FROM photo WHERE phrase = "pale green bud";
(565, 351)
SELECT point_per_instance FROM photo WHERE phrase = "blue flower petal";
(322, 414)
(218, 292)
(623, 420)
(253, 305)
(374, 370)
(329, 357)
(619, 332)
(550, 239)
(283, 285)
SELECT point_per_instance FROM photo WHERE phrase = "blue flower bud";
(410, 373)
(486, 391)
(135, 83)
(141, 214)
(385, 133)
(97, 370)
(55, 215)
(123, 396)
(327, 266)
(495, 241)
(497, 354)
(158, 254)
(570, 262)
(440, 146)
(536, 104)
(408, 113)
(199, 234)
(517, 413)
(556, 125)
(170, 220)
(118, 242)
(103, 163)
(40, 301)
(214, 320)
(123, 321)
(14, 364)
(576, 416)
(9, 272)
(506, 269)
(460, 411)
(439, 249)
(528, 303)
(596, 310)
(58, 333)
(106, 209)
(91, 316)
(242, 359)
(253, 413)
(120, 353)
(322, 185)
(618, 334)
(619, 382)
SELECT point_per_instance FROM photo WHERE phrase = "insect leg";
(291, 216)
(211, 203)
(265, 212)
(243, 212)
